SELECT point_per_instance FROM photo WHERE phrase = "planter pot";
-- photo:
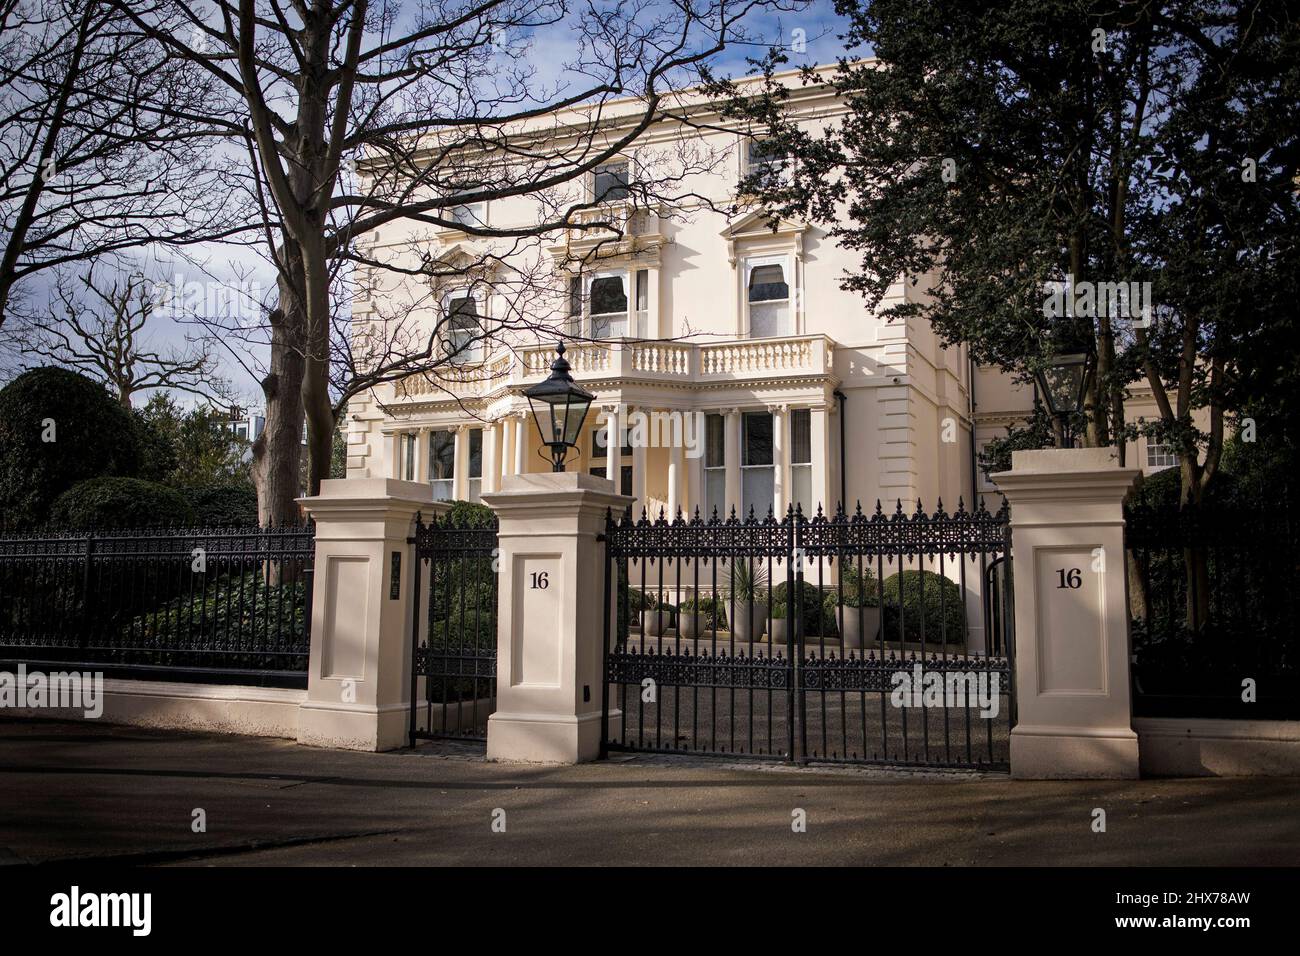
(693, 626)
(855, 623)
(655, 621)
(750, 621)
(780, 633)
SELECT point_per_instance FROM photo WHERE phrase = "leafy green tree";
(991, 152)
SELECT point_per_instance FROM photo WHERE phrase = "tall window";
(1160, 454)
(801, 459)
(765, 162)
(608, 296)
(767, 293)
(464, 334)
(610, 181)
(575, 305)
(475, 463)
(442, 464)
(642, 302)
(715, 466)
(408, 456)
(757, 471)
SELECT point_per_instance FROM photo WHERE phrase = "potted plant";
(696, 616)
(748, 590)
(780, 633)
(655, 616)
(856, 606)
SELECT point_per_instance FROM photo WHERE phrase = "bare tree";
(434, 104)
(100, 147)
(103, 328)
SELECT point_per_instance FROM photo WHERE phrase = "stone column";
(507, 454)
(491, 456)
(422, 439)
(780, 462)
(613, 446)
(675, 470)
(392, 449)
(731, 453)
(359, 671)
(638, 466)
(821, 461)
(460, 467)
(551, 617)
(1071, 614)
(521, 443)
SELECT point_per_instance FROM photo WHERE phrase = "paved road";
(80, 790)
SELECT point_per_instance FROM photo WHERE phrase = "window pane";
(599, 443)
(801, 487)
(715, 493)
(408, 457)
(767, 283)
(625, 480)
(715, 447)
(442, 455)
(476, 453)
(758, 488)
(611, 182)
(801, 435)
(608, 295)
(443, 490)
(769, 318)
(475, 487)
(757, 439)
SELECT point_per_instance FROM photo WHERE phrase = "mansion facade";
(707, 311)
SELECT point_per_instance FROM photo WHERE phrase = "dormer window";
(464, 329)
(611, 182)
(767, 296)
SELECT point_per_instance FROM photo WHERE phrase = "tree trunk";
(277, 451)
(1196, 560)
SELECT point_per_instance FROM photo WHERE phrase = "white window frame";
(629, 293)
(748, 167)
(801, 469)
(443, 484)
(478, 353)
(786, 262)
(745, 467)
(1163, 452)
(593, 195)
(478, 210)
(715, 470)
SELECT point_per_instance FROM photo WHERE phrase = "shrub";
(813, 622)
(858, 590)
(120, 503)
(93, 436)
(712, 612)
(469, 514)
(224, 506)
(939, 593)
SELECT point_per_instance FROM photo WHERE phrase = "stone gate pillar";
(550, 616)
(1074, 717)
(359, 672)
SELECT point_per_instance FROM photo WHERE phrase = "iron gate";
(877, 638)
(453, 627)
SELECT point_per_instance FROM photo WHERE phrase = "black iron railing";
(1214, 599)
(216, 605)
(802, 639)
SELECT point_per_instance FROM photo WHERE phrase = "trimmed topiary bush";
(469, 514)
(943, 603)
(224, 506)
(58, 428)
(813, 622)
(120, 503)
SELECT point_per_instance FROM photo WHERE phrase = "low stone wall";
(217, 708)
(1175, 747)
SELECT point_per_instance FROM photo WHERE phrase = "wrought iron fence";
(453, 627)
(863, 638)
(206, 605)
(1214, 598)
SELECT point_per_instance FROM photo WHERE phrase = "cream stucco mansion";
(807, 397)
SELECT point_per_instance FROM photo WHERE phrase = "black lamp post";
(559, 408)
(1064, 384)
